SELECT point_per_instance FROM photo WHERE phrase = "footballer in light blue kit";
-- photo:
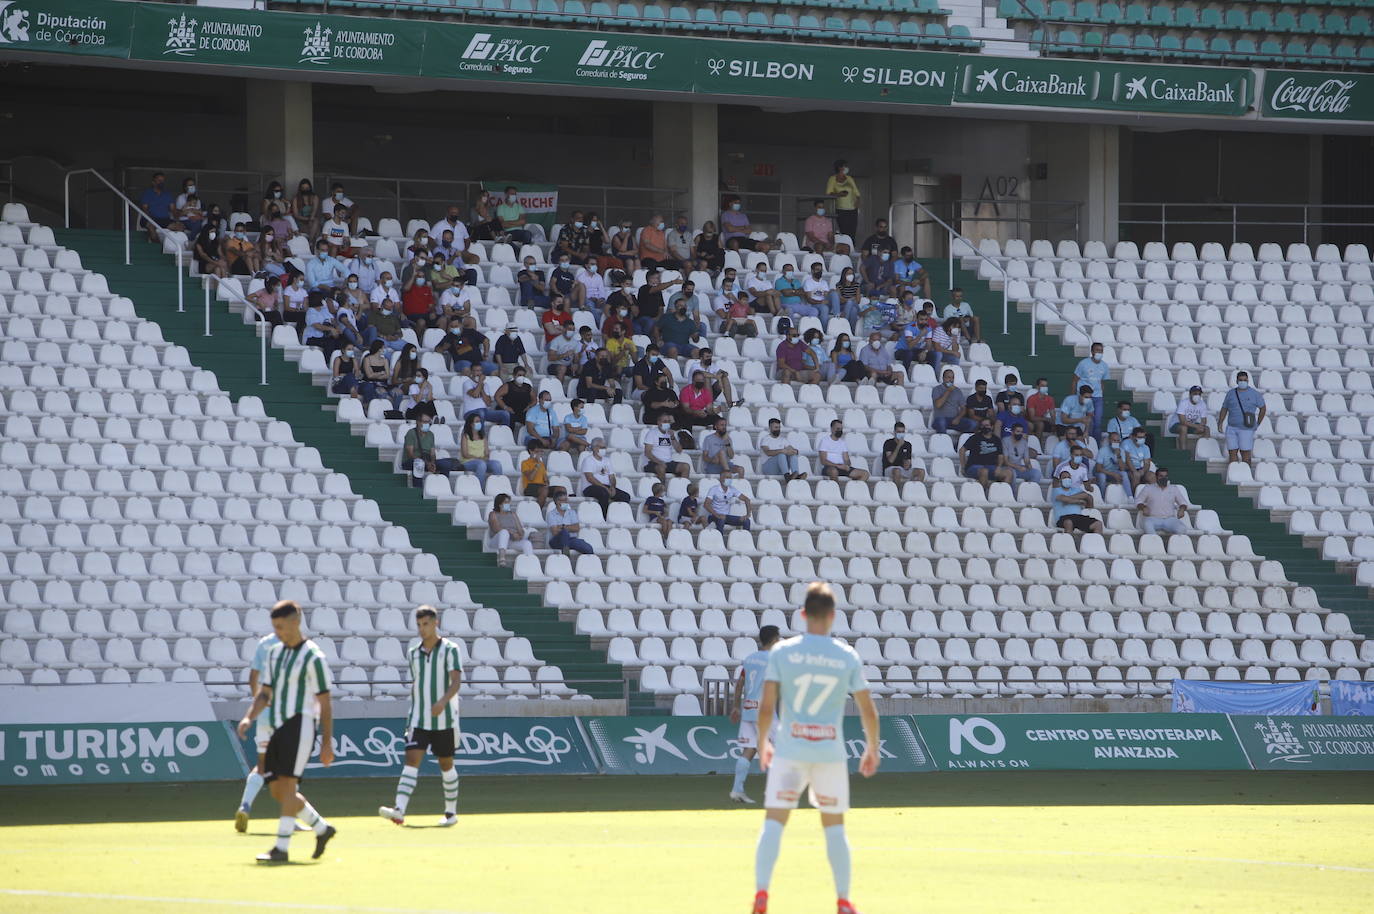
(748, 694)
(262, 733)
(810, 678)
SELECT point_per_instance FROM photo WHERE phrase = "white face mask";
(353, 283)
(1125, 414)
(1097, 356)
(1016, 409)
(591, 268)
(885, 255)
(1195, 398)
(477, 426)
(506, 506)
(664, 426)
(820, 211)
(190, 188)
(1241, 385)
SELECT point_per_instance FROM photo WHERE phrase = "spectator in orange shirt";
(653, 243)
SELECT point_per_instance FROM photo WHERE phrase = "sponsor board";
(709, 745)
(782, 70)
(1276, 743)
(539, 200)
(1318, 96)
(117, 753)
(1081, 741)
(66, 27)
(367, 747)
(1092, 84)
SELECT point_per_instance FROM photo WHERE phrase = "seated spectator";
(576, 428)
(833, 452)
(337, 199)
(978, 406)
(735, 226)
(320, 330)
(209, 251)
(464, 346)
(305, 208)
(1079, 466)
(982, 457)
(485, 225)
(717, 456)
(908, 276)
(1072, 439)
(848, 301)
(272, 253)
(1067, 500)
(456, 301)
(543, 427)
(1162, 506)
(534, 475)
(324, 271)
(376, 374)
(384, 321)
(707, 252)
(271, 301)
(763, 291)
(653, 245)
(656, 509)
(278, 222)
(273, 196)
(186, 209)
(943, 347)
(505, 531)
(476, 398)
(877, 361)
(620, 305)
(817, 357)
(698, 403)
(599, 379)
(420, 454)
(717, 376)
(404, 369)
(1011, 417)
(1009, 390)
(959, 310)
(649, 302)
(818, 296)
(565, 525)
(335, 233)
(364, 268)
(344, 371)
(1122, 422)
(510, 352)
(686, 296)
(897, 463)
(420, 395)
(661, 402)
(1139, 459)
(663, 450)
(1242, 411)
(598, 478)
(1040, 409)
(534, 288)
(780, 458)
(511, 217)
(598, 246)
(1021, 455)
(1191, 418)
(789, 288)
(681, 244)
(674, 330)
(1078, 412)
(646, 372)
(878, 278)
(587, 347)
(913, 343)
(689, 509)
(1111, 465)
(721, 500)
(240, 253)
(352, 297)
(947, 407)
(625, 247)
(589, 292)
(156, 204)
(563, 277)
(791, 362)
(516, 396)
(473, 450)
(621, 347)
(880, 239)
(818, 232)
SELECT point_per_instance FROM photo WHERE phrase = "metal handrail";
(1018, 206)
(128, 205)
(262, 327)
(1236, 212)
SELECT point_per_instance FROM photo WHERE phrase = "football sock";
(286, 825)
(312, 818)
(741, 772)
(405, 787)
(770, 841)
(251, 787)
(837, 849)
(450, 778)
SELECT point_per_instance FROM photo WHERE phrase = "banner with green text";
(117, 753)
(1081, 741)
(1307, 743)
(1318, 96)
(1114, 87)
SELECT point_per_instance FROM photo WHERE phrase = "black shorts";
(1081, 522)
(440, 742)
(669, 467)
(289, 749)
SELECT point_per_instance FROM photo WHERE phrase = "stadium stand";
(149, 521)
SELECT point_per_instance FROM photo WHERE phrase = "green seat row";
(1220, 48)
(1187, 17)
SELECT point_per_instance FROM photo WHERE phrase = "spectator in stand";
(734, 226)
(475, 392)
(647, 372)
(576, 428)
(543, 427)
(913, 343)
(688, 510)
(473, 450)
(979, 406)
(660, 403)
(403, 372)
(485, 225)
(421, 392)
(1078, 412)
(278, 219)
(1139, 459)
(376, 373)
(534, 476)
(881, 239)
(673, 330)
(981, 456)
(510, 352)
(557, 321)
(732, 307)
(1012, 416)
(625, 247)
(455, 302)
(947, 406)
(504, 530)
(269, 300)
(335, 233)
(337, 198)
(681, 244)
(588, 347)
(589, 292)
(344, 372)
(717, 376)
(1079, 465)
(516, 396)
(511, 216)
(324, 271)
(343, 320)
(698, 404)
(963, 313)
(1093, 372)
(877, 361)
(186, 209)
(649, 302)
(597, 246)
(1067, 501)
(1191, 417)
(273, 197)
(909, 276)
(897, 462)
(464, 346)
(833, 452)
(156, 203)
(686, 297)
(848, 301)
(717, 456)
(620, 305)
(384, 321)
(1041, 410)
(599, 379)
(317, 321)
(420, 245)
(817, 357)
(209, 251)
(656, 509)
(1242, 411)
(663, 450)
(789, 286)
(844, 190)
(1072, 439)
(598, 478)
(1124, 424)
(791, 360)
(563, 278)
(565, 525)
(1021, 456)
(877, 273)
(272, 252)
(943, 345)
(818, 232)
(1111, 465)
(421, 455)
(653, 245)
(721, 500)
(363, 266)
(709, 256)
(780, 458)
(1162, 506)
(818, 295)
(534, 288)
(766, 297)
(1008, 391)
(458, 243)
(621, 347)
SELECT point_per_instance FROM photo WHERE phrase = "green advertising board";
(1318, 96)
(708, 745)
(117, 753)
(1307, 743)
(1093, 84)
(1081, 741)
(367, 747)
(65, 27)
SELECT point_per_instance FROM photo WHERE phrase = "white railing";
(261, 327)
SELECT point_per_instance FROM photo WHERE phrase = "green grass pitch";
(930, 843)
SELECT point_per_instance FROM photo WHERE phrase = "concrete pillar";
(1102, 184)
(280, 134)
(1315, 146)
(877, 190)
(686, 156)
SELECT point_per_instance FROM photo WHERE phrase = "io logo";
(970, 731)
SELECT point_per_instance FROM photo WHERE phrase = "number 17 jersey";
(815, 675)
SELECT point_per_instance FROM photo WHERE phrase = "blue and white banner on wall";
(1352, 699)
(1292, 699)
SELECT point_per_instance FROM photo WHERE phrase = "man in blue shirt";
(748, 694)
(1111, 465)
(878, 277)
(809, 678)
(789, 286)
(1012, 415)
(1241, 413)
(1067, 501)
(1123, 423)
(156, 201)
(1092, 372)
(909, 276)
(1139, 460)
(323, 271)
(1077, 412)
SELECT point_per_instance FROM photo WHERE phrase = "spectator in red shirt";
(791, 354)
(556, 318)
(1040, 408)
(697, 401)
(417, 296)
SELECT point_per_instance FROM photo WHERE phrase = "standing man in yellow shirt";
(845, 190)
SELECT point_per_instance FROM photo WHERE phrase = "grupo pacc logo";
(1330, 96)
(623, 61)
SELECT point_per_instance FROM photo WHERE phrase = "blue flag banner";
(1289, 698)
(1352, 699)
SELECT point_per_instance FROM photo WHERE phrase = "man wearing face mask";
(982, 456)
(646, 372)
(877, 274)
(563, 352)
(1022, 457)
(323, 271)
(780, 458)
(686, 296)
(364, 266)
(673, 331)
(534, 290)
(663, 451)
(909, 276)
(598, 379)
(1009, 390)
(557, 320)
(947, 406)
(1111, 466)
(1012, 416)
(698, 403)
(510, 353)
(833, 452)
(475, 393)
(1067, 503)
(760, 287)
(565, 525)
(384, 321)
(457, 302)
(681, 240)
(1162, 506)
(510, 214)
(417, 295)
(1139, 459)
(653, 244)
(720, 502)
(818, 233)
(543, 427)
(1078, 411)
(1072, 439)
(788, 286)
(1079, 466)
(717, 455)
(1123, 423)
(156, 203)
(1092, 373)
(589, 291)
(734, 226)
(881, 239)
(1242, 411)
(963, 312)
(420, 454)
(844, 190)
(791, 360)
(877, 360)
(335, 233)
(598, 478)
(622, 350)
(818, 298)
(563, 277)
(718, 375)
(1041, 409)
(649, 301)
(574, 238)
(1191, 417)
(897, 463)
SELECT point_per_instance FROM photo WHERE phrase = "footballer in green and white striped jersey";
(297, 675)
(429, 672)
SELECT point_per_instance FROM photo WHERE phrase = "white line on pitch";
(240, 903)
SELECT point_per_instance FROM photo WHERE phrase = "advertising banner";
(539, 200)
(1092, 84)
(1191, 695)
(1318, 96)
(367, 747)
(1310, 743)
(117, 753)
(1352, 699)
(66, 26)
(1081, 741)
(708, 745)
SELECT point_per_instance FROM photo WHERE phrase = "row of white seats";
(234, 592)
(1282, 273)
(1211, 252)
(201, 536)
(136, 565)
(193, 621)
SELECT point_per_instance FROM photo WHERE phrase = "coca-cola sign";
(1317, 95)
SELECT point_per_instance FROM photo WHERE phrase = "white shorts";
(262, 733)
(829, 783)
(748, 734)
(1240, 439)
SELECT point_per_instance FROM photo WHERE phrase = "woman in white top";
(598, 479)
(504, 530)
